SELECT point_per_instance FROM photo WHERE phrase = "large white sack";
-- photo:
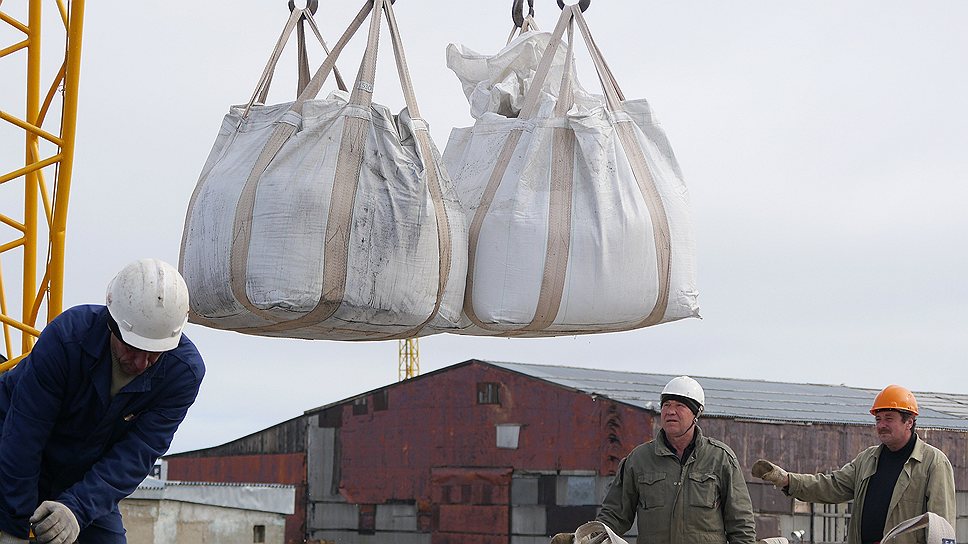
(497, 84)
(377, 251)
(588, 226)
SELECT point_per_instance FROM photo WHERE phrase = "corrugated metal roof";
(275, 498)
(752, 399)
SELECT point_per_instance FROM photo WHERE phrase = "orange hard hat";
(895, 397)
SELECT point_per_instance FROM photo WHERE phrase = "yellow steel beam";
(13, 22)
(18, 325)
(38, 244)
(31, 168)
(11, 222)
(31, 128)
(14, 48)
(29, 256)
(12, 244)
(74, 19)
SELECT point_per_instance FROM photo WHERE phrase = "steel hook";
(582, 4)
(311, 5)
(517, 8)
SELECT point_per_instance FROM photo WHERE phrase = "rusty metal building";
(485, 452)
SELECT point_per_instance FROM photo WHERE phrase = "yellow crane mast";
(409, 359)
(34, 197)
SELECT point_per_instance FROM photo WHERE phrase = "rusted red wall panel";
(286, 468)
(289, 468)
(436, 422)
(462, 518)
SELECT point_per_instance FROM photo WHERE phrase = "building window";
(508, 435)
(487, 393)
(359, 406)
(258, 533)
(381, 401)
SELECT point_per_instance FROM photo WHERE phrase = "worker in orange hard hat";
(899, 479)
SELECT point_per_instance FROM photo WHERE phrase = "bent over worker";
(685, 487)
(901, 478)
(85, 415)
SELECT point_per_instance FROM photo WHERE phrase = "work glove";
(771, 473)
(10, 539)
(560, 538)
(54, 523)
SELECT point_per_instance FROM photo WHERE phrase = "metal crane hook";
(582, 4)
(517, 9)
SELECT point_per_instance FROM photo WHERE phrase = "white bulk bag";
(577, 212)
(326, 219)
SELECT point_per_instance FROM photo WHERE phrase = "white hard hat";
(149, 301)
(686, 387)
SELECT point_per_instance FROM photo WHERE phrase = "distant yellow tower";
(33, 212)
(409, 364)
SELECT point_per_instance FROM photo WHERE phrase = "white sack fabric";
(577, 212)
(326, 219)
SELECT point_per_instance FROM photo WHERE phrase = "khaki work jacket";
(926, 484)
(704, 501)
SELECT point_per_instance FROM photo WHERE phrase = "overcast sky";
(823, 143)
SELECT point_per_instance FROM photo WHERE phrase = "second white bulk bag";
(327, 219)
(577, 212)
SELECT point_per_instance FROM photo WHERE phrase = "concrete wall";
(174, 522)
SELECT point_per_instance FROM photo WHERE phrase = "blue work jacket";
(65, 438)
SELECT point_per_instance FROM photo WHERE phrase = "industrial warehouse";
(491, 452)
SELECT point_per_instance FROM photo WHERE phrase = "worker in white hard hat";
(900, 478)
(683, 487)
(87, 413)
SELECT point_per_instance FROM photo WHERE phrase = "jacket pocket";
(652, 490)
(703, 490)
(704, 516)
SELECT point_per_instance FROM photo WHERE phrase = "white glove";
(10, 539)
(772, 473)
(54, 523)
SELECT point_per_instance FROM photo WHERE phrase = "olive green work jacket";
(704, 501)
(926, 484)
